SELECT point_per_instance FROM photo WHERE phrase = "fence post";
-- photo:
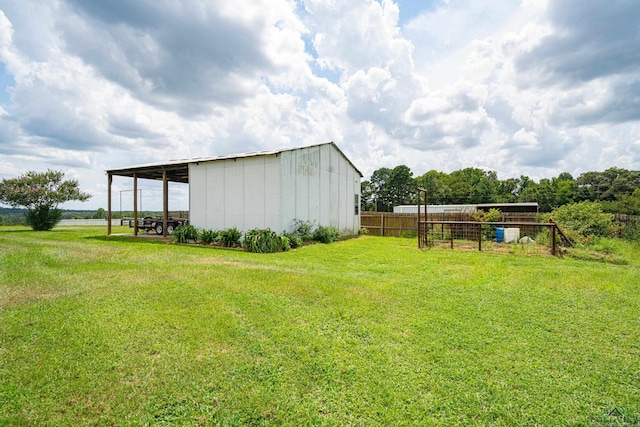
(450, 235)
(382, 223)
(480, 237)
(553, 240)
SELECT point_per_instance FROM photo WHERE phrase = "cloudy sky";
(520, 87)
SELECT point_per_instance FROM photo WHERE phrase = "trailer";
(149, 223)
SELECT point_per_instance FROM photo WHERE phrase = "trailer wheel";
(159, 229)
(170, 228)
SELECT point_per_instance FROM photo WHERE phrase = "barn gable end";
(272, 189)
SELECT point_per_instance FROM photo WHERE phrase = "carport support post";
(165, 203)
(135, 204)
(109, 181)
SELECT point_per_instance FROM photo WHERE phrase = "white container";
(511, 235)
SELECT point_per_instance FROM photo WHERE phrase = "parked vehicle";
(149, 223)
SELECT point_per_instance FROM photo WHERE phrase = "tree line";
(618, 190)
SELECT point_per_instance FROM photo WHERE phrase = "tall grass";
(369, 331)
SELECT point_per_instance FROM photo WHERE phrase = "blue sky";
(409, 9)
(527, 87)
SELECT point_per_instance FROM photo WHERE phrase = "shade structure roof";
(178, 170)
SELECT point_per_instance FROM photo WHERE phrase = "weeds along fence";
(628, 226)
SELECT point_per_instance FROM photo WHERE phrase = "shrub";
(630, 230)
(184, 233)
(326, 234)
(265, 241)
(583, 220)
(295, 241)
(207, 237)
(43, 218)
(285, 243)
(363, 231)
(303, 229)
(230, 237)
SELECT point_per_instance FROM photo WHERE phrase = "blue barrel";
(499, 234)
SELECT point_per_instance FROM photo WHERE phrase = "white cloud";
(523, 87)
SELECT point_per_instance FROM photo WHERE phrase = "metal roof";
(513, 207)
(178, 170)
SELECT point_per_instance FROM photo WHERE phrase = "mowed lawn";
(364, 332)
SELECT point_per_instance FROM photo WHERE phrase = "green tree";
(367, 202)
(436, 185)
(607, 185)
(508, 190)
(40, 194)
(526, 189)
(565, 187)
(619, 181)
(380, 189)
(100, 214)
(473, 185)
(589, 185)
(629, 203)
(549, 193)
(401, 187)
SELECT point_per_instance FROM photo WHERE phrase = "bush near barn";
(584, 220)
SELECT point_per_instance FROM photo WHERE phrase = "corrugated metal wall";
(242, 193)
(312, 184)
(320, 185)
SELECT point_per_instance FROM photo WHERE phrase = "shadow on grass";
(158, 240)
(142, 239)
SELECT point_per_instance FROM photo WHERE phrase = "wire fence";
(398, 224)
(517, 231)
(491, 235)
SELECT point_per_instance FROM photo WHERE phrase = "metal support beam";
(165, 203)
(109, 181)
(135, 204)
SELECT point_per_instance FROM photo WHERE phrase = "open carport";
(177, 171)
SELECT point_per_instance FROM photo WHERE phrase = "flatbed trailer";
(149, 223)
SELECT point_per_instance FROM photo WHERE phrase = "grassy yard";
(369, 331)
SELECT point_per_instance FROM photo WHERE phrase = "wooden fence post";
(450, 234)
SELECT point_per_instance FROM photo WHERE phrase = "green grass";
(369, 331)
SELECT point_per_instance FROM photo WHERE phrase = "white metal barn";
(265, 189)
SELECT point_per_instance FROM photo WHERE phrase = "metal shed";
(316, 183)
